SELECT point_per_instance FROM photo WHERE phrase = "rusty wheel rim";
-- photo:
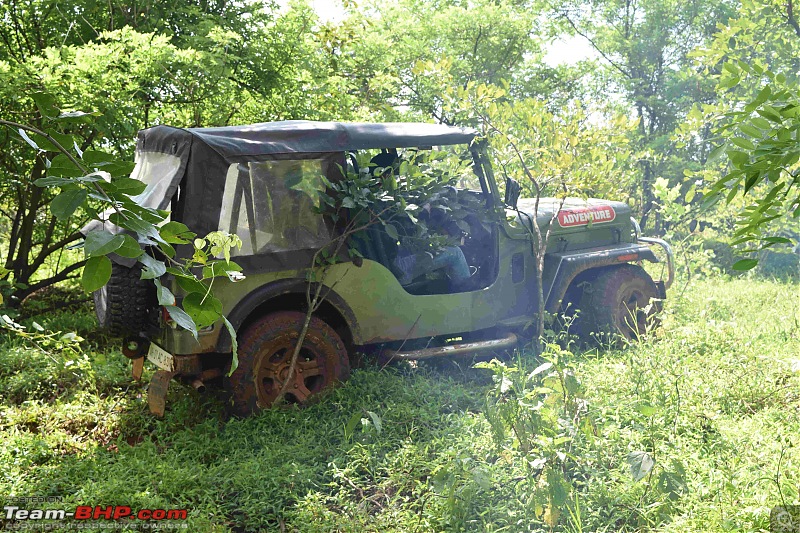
(272, 370)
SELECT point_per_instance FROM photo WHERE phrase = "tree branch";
(791, 20)
(61, 276)
(597, 47)
(46, 252)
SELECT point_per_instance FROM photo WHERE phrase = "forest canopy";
(686, 112)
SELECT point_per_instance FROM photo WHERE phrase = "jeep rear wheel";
(122, 305)
(621, 300)
(265, 353)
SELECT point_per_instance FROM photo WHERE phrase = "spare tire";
(123, 304)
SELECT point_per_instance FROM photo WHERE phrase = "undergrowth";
(689, 430)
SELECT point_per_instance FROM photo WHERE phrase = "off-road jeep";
(242, 180)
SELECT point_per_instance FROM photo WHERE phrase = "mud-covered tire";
(621, 301)
(123, 304)
(265, 352)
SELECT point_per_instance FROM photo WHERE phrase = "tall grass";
(713, 399)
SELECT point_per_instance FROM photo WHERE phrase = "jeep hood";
(573, 213)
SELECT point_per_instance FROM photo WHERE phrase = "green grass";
(716, 394)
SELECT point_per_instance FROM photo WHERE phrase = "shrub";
(778, 264)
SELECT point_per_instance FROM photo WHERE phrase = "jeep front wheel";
(621, 300)
(265, 354)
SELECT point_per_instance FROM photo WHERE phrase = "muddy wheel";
(123, 304)
(265, 353)
(620, 301)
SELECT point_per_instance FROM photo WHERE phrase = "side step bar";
(453, 349)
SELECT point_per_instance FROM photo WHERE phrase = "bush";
(778, 264)
(724, 256)
(772, 264)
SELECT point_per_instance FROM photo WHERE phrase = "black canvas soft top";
(204, 157)
(304, 136)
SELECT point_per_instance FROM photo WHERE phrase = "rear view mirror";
(512, 192)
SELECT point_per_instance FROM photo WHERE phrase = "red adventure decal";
(583, 215)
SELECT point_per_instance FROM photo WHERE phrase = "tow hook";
(134, 348)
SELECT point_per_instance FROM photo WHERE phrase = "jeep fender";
(561, 268)
(244, 310)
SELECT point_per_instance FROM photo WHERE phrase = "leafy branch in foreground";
(361, 200)
(761, 143)
(97, 185)
(499, 120)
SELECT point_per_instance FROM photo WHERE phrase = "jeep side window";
(268, 205)
(156, 171)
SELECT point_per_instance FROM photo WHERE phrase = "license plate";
(160, 357)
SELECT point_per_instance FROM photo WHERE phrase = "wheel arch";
(621, 300)
(290, 295)
(572, 269)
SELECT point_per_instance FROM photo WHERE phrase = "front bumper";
(664, 245)
(670, 257)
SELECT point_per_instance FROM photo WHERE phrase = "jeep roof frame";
(206, 153)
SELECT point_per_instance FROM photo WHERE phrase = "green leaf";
(646, 409)
(101, 242)
(182, 319)
(153, 267)
(129, 248)
(220, 268)
(715, 154)
(641, 464)
(672, 482)
(482, 478)
(137, 225)
(188, 282)
(777, 240)
(727, 81)
(558, 487)
(392, 232)
(46, 104)
(745, 264)
(741, 142)
(95, 177)
(750, 130)
(164, 295)
(234, 345)
(176, 233)
(376, 421)
(761, 123)
(730, 67)
(65, 141)
(96, 158)
(738, 158)
(96, 273)
(61, 165)
(351, 425)
(65, 204)
(770, 113)
(763, 96)
(203, 308)
(129, 186)
(53, 181)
